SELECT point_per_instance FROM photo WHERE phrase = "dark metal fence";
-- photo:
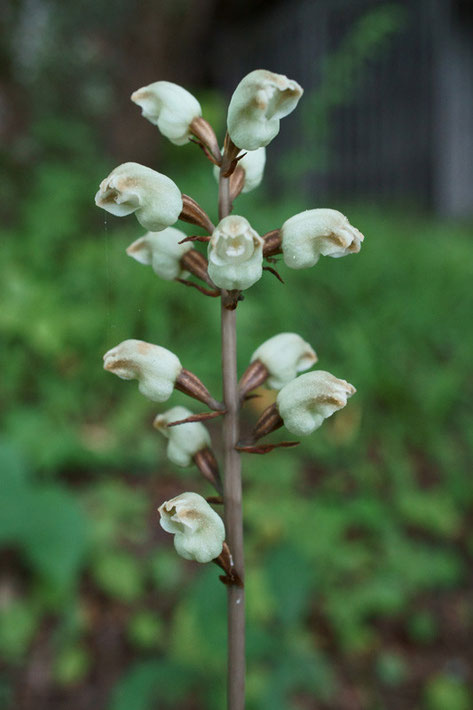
(397, 82)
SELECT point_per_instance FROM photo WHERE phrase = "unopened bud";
(155, 368)
(170, 107)
(154, 198)
(198, 530)
(258, 103)
(305, 402)
(310, 234)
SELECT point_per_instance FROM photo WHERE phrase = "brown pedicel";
(207, 464)
(230, 159)
(190, 384)
(269, 421)
(205, 134)
(225, 562)
(237, 182)
(193, 213)
(272, 243)
(254, 376)
(197, 264)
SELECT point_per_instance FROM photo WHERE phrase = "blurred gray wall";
(398, 124)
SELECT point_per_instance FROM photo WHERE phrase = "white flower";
(305, 402)
(169, 107)
(284, 355)
(312, 233)
(155, 368)
(185, 440)
(258, 103)
(154, 198)
(235, 254)
(253, 163)
(162, 251)
(198, 530)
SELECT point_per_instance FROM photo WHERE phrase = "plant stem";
(232, 493)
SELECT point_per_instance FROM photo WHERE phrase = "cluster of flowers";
(235, 262)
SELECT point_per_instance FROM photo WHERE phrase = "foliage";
(370, 515)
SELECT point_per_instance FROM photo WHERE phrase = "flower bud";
(252, 163)
(185, 440)
(258, 103)
(169, 107)
(155, 368)
(312, 233)
(198, 530)
(235, 254)
(162, 251)
(305, 402)
(284, 355)
(154, 198)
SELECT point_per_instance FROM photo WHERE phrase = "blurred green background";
(359, 542)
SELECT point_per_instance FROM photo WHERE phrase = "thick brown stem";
(232, 492)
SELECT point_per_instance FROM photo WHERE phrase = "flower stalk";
(232, 490)
(235, 254)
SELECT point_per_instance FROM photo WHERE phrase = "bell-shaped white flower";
(252, 163)
(154, 198)
(155, 368)
(258, 103)
(170, 107)
(185, 440)
(310, 234)
(304, 403)
(198, 530)
(284, 355)
(235, 254)
(162, 251)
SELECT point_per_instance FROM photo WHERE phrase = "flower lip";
(155, 367)
(235, 254)
(154, 198)
(305, 402)
(318, 232)
(199, 531)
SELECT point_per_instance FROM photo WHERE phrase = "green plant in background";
(394, 564)
(403, 329)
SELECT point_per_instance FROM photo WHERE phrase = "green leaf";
(290, 580)
(119, 574)
(147, 682)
